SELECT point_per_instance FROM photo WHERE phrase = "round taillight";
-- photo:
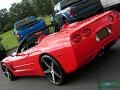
(72, 12)
(116, 15)
(86, 32)
(111, 18)
(76, 38)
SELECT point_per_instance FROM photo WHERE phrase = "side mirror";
(14, 54)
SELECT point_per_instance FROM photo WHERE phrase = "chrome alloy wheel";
(52, 70)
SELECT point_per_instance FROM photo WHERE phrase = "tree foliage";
(24, 9)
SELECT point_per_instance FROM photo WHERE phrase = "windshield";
(66, 3)
(31, 39)
(25, 22)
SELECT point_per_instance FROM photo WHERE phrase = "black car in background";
(76, 10)
(2, 51)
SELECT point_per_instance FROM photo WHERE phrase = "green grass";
(47, 20)
(9, 40)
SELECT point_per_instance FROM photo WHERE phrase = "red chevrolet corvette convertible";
(63, 52)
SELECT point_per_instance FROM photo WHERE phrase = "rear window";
(66, 3)
(25, 22)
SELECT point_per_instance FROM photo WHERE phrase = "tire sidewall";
(58, 65)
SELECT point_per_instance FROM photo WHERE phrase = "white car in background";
(110, 4)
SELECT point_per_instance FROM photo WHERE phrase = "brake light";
(111, 18)
(86, 32)
(116, 15)
(76, 38)
(38, 33)
(72, 12)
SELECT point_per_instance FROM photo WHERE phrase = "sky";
(7, 3)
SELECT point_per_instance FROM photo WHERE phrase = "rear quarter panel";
(77, 55)
(88, 48)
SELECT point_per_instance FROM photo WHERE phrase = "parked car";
(75, 10)
(111, 4)
(63, 52)
(2, 51)
(28, 25)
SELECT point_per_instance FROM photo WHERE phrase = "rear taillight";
(38, 33)
(76, 38)
(72, 13)
(116, 15)
(111, 18)
(86, 32)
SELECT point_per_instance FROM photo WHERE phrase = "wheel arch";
(1, 65)
(4, 63)
(54, 59)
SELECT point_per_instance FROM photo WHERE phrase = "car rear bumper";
(89, 47)
(86, 13)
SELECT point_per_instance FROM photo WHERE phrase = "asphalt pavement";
(101, 74)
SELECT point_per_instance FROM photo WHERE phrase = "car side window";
(32, 40)
(27, 44)
(26, 47)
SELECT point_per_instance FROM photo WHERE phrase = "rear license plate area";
(102, 34)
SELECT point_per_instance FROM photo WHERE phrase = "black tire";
(56, 28)
(52, 70)
(8, 73)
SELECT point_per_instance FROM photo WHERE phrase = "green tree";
(53, 2)
(4, 18)
(42, 7)
(1, 30)
(24, 9)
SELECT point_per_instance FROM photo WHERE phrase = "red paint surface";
(68, 54)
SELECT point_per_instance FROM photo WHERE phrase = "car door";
(24, 63)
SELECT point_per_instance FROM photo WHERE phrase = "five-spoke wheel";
(52, 70)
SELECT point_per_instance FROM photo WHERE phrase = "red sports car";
(64, 51)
